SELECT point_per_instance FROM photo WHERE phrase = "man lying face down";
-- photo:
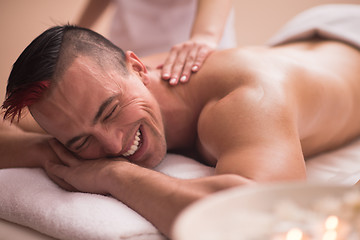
(253, 113)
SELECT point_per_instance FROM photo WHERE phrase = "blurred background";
(22, 20)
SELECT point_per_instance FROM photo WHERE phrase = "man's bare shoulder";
(239, 132)
(225, 71)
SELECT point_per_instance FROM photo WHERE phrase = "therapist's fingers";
(167, 66)
(175, 62)
(202, 54)
(189, 63)
(184, 59)
(64, 155)
(178, 65)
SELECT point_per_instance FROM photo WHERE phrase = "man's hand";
(74, 174)
(184, 59)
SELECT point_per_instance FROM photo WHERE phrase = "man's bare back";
(298, 96)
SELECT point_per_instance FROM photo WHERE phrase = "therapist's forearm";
(210, 20)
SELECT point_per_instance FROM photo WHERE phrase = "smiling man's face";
(99, 112)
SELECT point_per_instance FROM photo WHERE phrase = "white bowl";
(243, 212)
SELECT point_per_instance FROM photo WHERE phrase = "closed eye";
(111, 112)
(77, 148)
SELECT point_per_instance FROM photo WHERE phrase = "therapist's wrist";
(210, 40)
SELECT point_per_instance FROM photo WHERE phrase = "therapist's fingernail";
(166, 76)
(183, 79)
(173, 81)
(195, 68)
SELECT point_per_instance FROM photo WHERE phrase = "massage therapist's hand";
(75, 174)
(186, 58)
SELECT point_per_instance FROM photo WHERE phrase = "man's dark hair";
(43, 62)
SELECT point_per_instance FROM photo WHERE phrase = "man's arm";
(160, 198)
(254, 134)
(19, 148)
(22, 149)
(157, 197)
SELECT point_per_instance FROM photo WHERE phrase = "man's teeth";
(135, 145)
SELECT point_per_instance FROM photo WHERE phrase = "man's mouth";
(135, 146)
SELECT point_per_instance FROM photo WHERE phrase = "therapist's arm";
(207, 30)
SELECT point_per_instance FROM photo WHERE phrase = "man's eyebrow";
(102, 108)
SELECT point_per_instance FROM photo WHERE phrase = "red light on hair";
(23, 97)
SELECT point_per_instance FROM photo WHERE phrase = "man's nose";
(113, 142)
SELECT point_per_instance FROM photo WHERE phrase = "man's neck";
(180, 111)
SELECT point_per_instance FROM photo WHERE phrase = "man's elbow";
(233, 180)
(286, 176)
(222, 182)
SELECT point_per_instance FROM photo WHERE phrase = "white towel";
(333, 21)
(28, 197)
(341, 166)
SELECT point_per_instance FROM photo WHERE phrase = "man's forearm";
(22, 149)
(157, 197)
(160, 198)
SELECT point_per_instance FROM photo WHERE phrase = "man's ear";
(135, 64)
